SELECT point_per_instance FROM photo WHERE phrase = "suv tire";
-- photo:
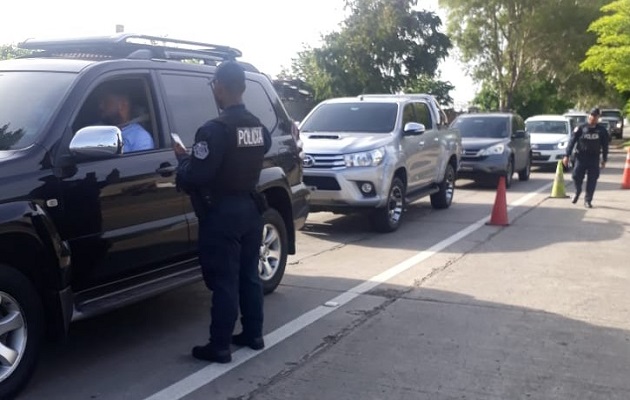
(387, 219)
(509, 173)
(444, 197)
(273, 250)
(21, 329)
(523, 175)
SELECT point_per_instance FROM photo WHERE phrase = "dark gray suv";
(494, 144)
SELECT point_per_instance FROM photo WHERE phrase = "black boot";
(256, 343)
(575, 197)
(209, 353)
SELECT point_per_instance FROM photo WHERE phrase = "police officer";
(591, 139)
(221, 176)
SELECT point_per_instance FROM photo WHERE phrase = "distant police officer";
(591, 139)
(221, 176)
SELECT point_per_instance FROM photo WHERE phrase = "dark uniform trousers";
(586, 166)
(229, 249)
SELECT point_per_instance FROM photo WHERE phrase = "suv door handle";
(421, 144)
(166, 170)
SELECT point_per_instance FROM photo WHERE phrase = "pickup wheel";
(388, 218)
(21, 330)
(444, 197)
(273, 250)
(523, 175)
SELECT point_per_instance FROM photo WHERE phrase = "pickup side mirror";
(519, 135)
(97, 142)
(414, 128)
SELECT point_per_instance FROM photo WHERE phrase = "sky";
(269, 33)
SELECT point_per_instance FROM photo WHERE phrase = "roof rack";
(133, 46)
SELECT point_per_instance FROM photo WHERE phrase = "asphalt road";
(445, 308)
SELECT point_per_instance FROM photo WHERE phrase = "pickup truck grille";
(326, 161)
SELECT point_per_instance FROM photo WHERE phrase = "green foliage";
(539, 97)
(487, 99)
(8, 51)
(383, 46)
(611, 54)
(439, 89)
(509, 42)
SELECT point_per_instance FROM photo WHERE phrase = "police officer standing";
(221, 176)
(591, 139)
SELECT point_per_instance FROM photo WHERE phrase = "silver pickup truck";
(376, 153)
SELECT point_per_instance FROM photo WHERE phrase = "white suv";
(550, 136)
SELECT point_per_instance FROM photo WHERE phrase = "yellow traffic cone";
(557, 191)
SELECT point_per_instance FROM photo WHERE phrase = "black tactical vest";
(239, 171)
(589, 142)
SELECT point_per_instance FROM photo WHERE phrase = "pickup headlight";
(618, 124)
(496, 149)
(370, 158)
(563, 144)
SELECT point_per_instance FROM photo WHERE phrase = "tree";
(439, 89)
(611, 54)
(8, 51)
(383, 46)
(505, 41)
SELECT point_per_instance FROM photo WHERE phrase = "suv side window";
(190, 103)
(258, 103)
(137, 100)
(408, 114)
(424, 115)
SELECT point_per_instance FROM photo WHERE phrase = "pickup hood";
(343, 143)
(548, 138)
(481, 143)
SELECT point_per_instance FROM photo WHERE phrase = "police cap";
(595, 112)
(231, 75)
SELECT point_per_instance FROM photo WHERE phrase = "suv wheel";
(273, 250)
(523, 175)
(21, 330)
(388, 218)
(509, 172)
(444, 197)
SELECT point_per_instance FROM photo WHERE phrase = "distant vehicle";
(614, 118)
(549, 135)
(576, 118)
(495, 144)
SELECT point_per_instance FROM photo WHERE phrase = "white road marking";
(213, 371)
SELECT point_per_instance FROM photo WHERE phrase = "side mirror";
(97, 142)
(414, 128)
(519, 135)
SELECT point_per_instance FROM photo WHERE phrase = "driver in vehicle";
(115, 108)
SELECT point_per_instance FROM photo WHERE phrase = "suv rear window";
(27, 101)
(483, 126)
(352, 117)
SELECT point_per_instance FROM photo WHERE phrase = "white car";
(550, 136)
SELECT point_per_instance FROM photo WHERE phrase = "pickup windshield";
(352, 117)
(482, 126)
(27, 101)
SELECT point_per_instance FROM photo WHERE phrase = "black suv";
(85, 228)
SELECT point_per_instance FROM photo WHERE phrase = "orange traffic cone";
(499, 211)
(625, 181)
